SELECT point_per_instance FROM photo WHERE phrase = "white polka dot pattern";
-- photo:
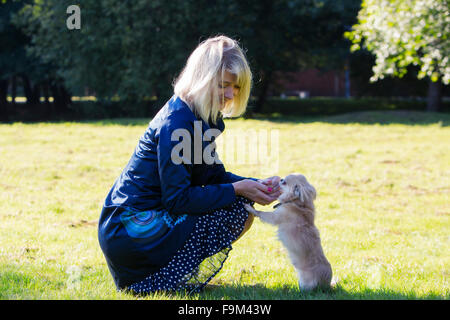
(203, 254)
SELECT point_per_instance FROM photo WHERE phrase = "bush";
(289, 106)
(92, 110)
(330, 106)
(114, 109)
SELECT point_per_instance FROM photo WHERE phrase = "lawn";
(383, 207)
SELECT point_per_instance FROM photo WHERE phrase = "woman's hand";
(273, 183)
(255, 191)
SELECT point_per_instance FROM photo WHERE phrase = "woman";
(168, 224)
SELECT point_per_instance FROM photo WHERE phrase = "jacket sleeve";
(220, 175)
(178, 195)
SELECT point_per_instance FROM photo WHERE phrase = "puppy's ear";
(305, 192)
(297, 192)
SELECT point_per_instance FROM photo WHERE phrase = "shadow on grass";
(404, 117)
(97, 122)
(365, 117)
(119, 121)
(260, 292)
(25, 285)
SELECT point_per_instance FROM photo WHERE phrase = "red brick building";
(311, 83)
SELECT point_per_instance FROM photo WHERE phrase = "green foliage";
(13, 59)
(405, 32)
(136, 49)
(272, 106)
(330, 106)
(15, 42)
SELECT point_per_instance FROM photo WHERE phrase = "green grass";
(383, 209)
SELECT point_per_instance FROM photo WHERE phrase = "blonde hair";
(199, 81)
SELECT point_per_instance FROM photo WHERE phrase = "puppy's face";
(295, 186)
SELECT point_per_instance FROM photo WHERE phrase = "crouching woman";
(168, 224)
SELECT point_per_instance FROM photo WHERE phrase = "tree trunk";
(347, 79)
(30, 93)
(45, 92)
(49, 107)
(434, 96)
(61, 98)
(13, 90)
(262, 96)
(56, 97)
(3, 101)
(36, 94)
(27, 89)
(66, 96)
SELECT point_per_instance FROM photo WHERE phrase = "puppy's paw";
(249, 208)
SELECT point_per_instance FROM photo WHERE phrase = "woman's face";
(228, 89)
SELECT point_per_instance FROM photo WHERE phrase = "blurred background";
(308, 56)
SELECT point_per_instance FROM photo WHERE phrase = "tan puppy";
(294, 216)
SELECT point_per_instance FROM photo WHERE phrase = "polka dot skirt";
(202, 255)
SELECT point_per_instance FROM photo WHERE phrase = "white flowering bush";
(404, 32)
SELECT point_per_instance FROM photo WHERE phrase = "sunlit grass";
(383, 208)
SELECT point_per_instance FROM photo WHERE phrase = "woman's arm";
(219, 175)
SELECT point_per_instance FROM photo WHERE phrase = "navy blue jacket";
(152, 181)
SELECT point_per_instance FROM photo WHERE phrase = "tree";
(127, 49)
(17, 68)
(290, 35)
(401, 33)
(134, 49)
(13, 60)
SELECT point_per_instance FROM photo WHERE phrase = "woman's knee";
(248, 223)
